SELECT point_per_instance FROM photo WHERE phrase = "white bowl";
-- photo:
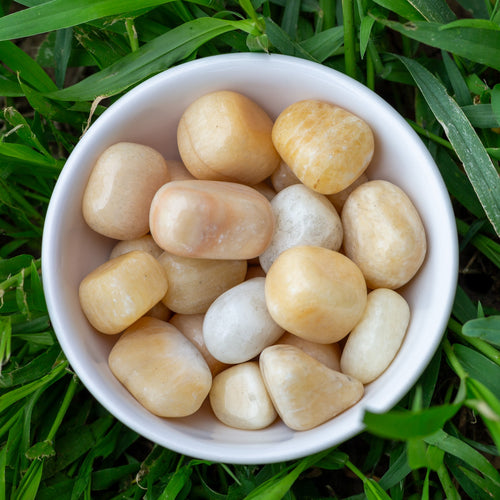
(149, 114)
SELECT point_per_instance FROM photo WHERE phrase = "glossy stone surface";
(119, 191)
(383, 234)
(145, 243)
(161, 368)
(315, 293)
(239, 398)
(121, 290)
(211, 220)
(376, 339)
(325, 146)
(305, 392)
(226, 136)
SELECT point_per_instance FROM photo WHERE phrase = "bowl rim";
(215, 453)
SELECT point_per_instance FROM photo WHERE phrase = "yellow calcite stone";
(191, 326)
(119, 191)
(315, 293)
(383, 234)
(161, 368)
(120, 291)
(304, 391)
(226, 136)
(325, 146)
(145, 243)
(193, 284)
(211, 220)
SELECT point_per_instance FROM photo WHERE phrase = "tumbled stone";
(302, 217)
(191, 326)
(237, 326)
(283, 177)
(193, 284)
(328, 354)
(239, 398)
(145, 243)
(121, 290)
(304, 391)
(211, 219)
(325, 146)
(376, 339)
(119, 191)
(338, 199)
(315, 293)
(226, 136)
(383, 234)
(161, 368)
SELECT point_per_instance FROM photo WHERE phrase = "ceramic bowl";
(149, 114)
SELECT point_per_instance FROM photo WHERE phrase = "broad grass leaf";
(9, 88)
(151, 58)
(42, 449)
(488, 247)
(28, 487)
(397, 471)
(105, 479)
(374, 491)
(462, 93)
(495, 101)
(469, 148)
(484, 24)
(365, 30)
(460, 449)
(481, 115)
(479, 367)
(402, 8)
(405, 425)
(324, 44)
(436, 11)
(28, 70)
(476, 8)
(487, 329)
(465, 42)
(14, 265)
(58, 14)
(62, 53)
(283, 43)
(290, 18)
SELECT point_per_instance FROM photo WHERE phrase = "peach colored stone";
(325, 146)
(120, 291)
(119, 191)
(383, 234)
(328, 354)
(211, 220)
(145, 243)
(315, 293)
(193, 284)
(226, 136)
(191, 326)
(161, 368)
(304, 391)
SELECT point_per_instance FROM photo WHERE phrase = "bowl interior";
(149, 115)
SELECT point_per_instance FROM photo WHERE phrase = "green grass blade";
(462, 93)
(481, 115)
(62, 54)
(477, 164)
(405, 424)
(464, 42)
(325, 43)
(487, 329)
(291, 18)
(436, 11)
(28, 69)
(58, 14)
(402, 8)
(151, 58)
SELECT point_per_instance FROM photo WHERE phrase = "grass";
(436, 62)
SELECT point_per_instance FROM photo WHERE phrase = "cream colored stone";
(325, 146)
(225, 136)
(283, 177)
(315, 293)
(120, 291)
(383, 234)
(304, 391)
(239, 398)
(161, 368)
(237, 326)
(211, 220)
(376, 339)
(338, 199)
(193, 284)
(191, 326)
(145, 243)
(302, 217)
(119, 191)
(328, 354)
